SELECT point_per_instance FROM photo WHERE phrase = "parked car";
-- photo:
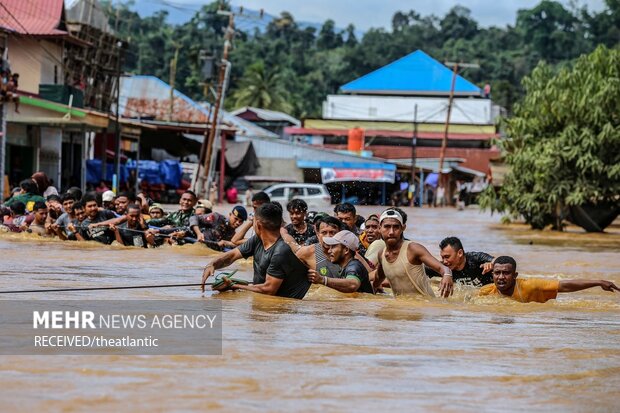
(316, 195)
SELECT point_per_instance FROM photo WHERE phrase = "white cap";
(108, 196)
(346, 238)
(392, 213)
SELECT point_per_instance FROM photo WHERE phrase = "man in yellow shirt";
(537, 290)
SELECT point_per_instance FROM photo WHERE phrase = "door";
(20, 163)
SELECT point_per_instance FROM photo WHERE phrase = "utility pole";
(444, 141)
(173, 74)
(117, 130)
(219, 98)
(414, 143)
(4, 55)
(2, 148)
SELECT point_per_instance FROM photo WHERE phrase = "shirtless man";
(402, 262)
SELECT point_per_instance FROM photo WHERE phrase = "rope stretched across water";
(127, 287)
(191, 240)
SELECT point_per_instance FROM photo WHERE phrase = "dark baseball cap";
(240, 212)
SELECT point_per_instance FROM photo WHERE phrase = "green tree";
(458, 24)
(552, 31)
(563, 145)
(328, 38)
(262, 88)
(312, 65)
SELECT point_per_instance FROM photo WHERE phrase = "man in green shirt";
(28, 195)
(178, 220)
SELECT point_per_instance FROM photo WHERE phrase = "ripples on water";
(333, 352)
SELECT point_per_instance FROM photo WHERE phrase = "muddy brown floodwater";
(333, 353)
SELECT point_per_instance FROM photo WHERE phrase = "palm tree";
(262, 88)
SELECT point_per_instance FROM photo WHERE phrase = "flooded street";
(334, 353)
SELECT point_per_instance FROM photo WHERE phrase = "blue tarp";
(432, 179)
(151, 172)
(171, 173)
(147, 172)
(415, 73)
(93, 171)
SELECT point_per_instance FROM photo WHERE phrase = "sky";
(378, 13)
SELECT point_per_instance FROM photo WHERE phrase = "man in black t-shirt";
(299, 229)
(353, 277)
(277, 271)
(132, 232)
(95, 217)
(470, 268)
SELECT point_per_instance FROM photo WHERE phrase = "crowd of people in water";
(344, 251)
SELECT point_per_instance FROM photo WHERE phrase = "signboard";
(329, 175)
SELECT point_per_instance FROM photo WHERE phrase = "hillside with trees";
(285, 67)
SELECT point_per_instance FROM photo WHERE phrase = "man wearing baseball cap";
(402, 261)
(353, 277)
(107, 200)
(215, 230)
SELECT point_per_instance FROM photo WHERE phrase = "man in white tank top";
(402, 262)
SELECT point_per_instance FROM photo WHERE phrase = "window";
(313, 191)
(277, 193)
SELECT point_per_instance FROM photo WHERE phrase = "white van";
(316, 195)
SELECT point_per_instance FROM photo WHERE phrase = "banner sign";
(329, 175)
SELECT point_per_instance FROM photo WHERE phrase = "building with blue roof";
(416, 74)
(411, 94)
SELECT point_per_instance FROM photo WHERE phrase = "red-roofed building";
(49, 131)
(33, 17)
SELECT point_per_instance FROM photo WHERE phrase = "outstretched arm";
(344, 285)
(269, 287)
(289, 240)
(239, 237)
(417, 253)
(569, 286)
(113, 221)
(222, 261)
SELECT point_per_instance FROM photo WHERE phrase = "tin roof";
(267, 114)
(145, 96)
(33, 17)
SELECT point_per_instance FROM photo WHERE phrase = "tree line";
(291, 67)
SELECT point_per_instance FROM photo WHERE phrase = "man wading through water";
(315, 256)
(469, 268)
(299, 229)
(354, 276)
(402, 261)
(277, 271)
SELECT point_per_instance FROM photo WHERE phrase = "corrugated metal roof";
(266, 114)
(279, 149)
(34, 17)
(245, 128)
(416, 73)
(147, 96)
